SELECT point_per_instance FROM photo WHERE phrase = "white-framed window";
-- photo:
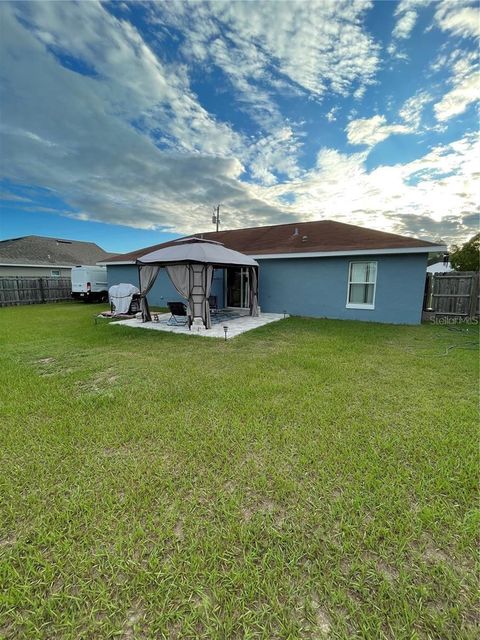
(362, 280)
(55, 273)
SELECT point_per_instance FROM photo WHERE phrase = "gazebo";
(189, 264)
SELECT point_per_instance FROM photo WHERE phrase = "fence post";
(427, 294)
(42, 290)
(472, 311)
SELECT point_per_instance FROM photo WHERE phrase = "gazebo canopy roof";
(199, 251)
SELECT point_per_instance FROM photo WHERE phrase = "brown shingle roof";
(298, 237)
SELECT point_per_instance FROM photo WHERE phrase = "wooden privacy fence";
(455, 293)
(22, 290)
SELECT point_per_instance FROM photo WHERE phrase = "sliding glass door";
(238, 287)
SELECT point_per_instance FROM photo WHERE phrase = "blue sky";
(125, 123)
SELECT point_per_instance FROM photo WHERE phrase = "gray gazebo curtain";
(193, 282)
(179, 274)
(253, 291)
(147, 276)
(208, 288)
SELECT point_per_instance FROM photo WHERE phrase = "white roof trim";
(357, 252)
(117, 262)
(37, 266)
(324, 254)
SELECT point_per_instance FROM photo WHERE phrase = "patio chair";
(177, 310)
(212, 301)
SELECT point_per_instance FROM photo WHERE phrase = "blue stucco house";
(321, 269)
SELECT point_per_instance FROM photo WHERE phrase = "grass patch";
(310, 479)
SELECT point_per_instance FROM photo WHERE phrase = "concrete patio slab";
(236, 325)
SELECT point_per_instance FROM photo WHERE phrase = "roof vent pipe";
(296, 232)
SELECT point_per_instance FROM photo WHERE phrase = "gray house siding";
(317, 287)
(34, 272)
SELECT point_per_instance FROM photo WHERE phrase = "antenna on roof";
(216, 216)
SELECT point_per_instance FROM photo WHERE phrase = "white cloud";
(278, 150)
(447, 59)
(462, 18)
(405, 24)
(411, 111)
(456, 101)
(72, 133)
(406, 13)
(13, 197)
(360, 92)
(312, 52)
(319, 46)
(134, 82)
(331, 115)
(434, 196)
(371, 131)
(464, 81)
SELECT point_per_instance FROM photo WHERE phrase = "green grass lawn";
(311, 479)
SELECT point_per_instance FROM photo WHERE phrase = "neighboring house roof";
(40, 251)
(303, 239)
(439, 267)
